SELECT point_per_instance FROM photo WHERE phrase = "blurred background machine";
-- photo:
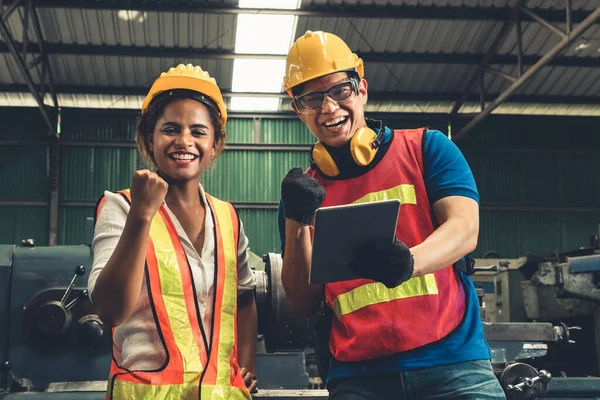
(540, 317)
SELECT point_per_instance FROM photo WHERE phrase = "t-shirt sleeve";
(107, 232)
(447, 172)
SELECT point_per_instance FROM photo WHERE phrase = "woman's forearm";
(247, 327)
(119, 283)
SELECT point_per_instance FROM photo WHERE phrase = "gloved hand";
(390, 263)
(301, 195)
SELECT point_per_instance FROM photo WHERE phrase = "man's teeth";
(185, 157)
(334, 121)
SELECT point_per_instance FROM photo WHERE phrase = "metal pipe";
(25, 22)
(48, 70)
(482, 88)
(407, 57)
(388, 11)
(6, 14)
(544, 22)
(575, 34)
(569, 16)
(519, 46)
(500, 74)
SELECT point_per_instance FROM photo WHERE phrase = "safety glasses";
(339, 92)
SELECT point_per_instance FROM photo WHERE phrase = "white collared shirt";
(136, 343)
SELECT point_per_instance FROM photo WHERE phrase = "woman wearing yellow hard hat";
(170, 271)
(410, 326)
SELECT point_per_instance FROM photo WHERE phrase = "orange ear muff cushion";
(324, 160)
(361, 146)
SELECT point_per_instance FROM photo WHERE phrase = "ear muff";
(323, 160)
(361, 146)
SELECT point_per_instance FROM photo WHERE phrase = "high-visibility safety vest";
(370, 320)
(196, 367)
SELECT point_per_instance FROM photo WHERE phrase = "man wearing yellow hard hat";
(170, 272)
(410, 327)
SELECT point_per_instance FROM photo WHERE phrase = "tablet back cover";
(339, 231)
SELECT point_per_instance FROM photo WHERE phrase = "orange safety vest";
(370, 320)
(195, 367)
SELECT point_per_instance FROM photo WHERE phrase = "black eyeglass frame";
(302, 107)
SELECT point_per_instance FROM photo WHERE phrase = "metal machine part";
(54, 317)
(521, 381)
(283, 329)
(49, 329)
(48, 317)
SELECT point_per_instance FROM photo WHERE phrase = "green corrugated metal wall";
(24, 222)
(251, 176)
(538, 199)
(542, 198)
(86, 172)
(23, 177)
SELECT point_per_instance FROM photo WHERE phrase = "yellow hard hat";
(191, 78)
(317, 54)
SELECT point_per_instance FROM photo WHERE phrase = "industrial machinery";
(53, 346)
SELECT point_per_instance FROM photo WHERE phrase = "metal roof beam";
(375, 96)
(550, 55)
(371, 57)
(19, 54)
(478, 76)
(337, 10)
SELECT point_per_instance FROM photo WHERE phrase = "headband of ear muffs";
(363, 148)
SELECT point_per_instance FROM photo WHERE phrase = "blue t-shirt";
(447, 173)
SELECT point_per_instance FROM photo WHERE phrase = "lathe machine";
(53, 346)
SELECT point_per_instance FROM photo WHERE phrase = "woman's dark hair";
(147, 123)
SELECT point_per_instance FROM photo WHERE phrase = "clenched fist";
(148, 191)
(301, 195)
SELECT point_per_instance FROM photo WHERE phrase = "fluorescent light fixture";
(261, 34)
(132, 15)
(264, 76)
(254, 104)
(264, 34)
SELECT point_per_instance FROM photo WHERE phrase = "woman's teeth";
(182, 157)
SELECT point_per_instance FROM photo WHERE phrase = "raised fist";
(148, 191)
(301, 195)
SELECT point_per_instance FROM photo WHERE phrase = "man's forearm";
(304, 298)
(247, 331)
(452, 240)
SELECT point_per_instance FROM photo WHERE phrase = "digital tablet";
(339, 231)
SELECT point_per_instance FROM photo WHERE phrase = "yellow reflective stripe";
(173, 297)
(376, 292)
(139, 391)
(219, 392)
(227, 336)
(405, 193)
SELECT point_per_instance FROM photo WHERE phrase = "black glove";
(390, 263)
(301, 195)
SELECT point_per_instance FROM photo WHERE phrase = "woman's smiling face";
(183, 141)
